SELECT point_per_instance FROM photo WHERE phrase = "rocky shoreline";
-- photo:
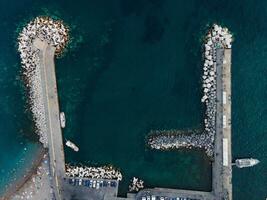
(217, 37)
(55, 33)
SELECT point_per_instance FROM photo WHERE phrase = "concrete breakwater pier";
(39, 42)
(217, 38)
(55, 34)
(217, 132)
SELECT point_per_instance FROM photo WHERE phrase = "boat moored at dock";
(72, 145)
(62, 120)
(246, 162)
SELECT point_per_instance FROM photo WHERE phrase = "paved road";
(54, 134)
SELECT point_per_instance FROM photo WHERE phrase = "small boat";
(72, 145)
(62, 120)
(246, 162)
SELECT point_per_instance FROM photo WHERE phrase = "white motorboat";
(72, 145)
(62, 120)
(246, 162)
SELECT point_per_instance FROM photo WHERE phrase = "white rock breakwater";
(175, 139)
(105, 172)
(217, 37)
(136, 185)
(55, 33)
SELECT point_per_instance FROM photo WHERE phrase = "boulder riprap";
(105, 172)
(54, 33)
(136, 185)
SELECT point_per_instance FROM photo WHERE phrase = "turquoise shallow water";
(133, 66)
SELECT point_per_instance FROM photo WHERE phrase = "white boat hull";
(62, 120)
(72, 145)
(246, 162)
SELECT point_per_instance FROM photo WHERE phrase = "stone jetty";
(104, 172)
(175, 139)
(54, 33)
(217, 37)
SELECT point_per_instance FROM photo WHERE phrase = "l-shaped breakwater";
(215, 139)
(217, 38)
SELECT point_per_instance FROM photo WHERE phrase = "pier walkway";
(222, 165)
(62, 188)
(54, 134)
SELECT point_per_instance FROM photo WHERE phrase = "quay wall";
(54, 134)
(221, 167)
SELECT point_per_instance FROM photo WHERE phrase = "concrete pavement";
(54, 134)
(222, 168)
(174, 193)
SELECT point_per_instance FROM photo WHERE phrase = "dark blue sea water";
(132, 66)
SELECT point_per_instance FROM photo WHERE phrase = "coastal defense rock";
(136, 185)
(50, 32)
(105, 172)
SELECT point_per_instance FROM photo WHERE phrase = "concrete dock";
(54, 134)
(62, 189)
(174, 193)
(81, 191)
(222, 166)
